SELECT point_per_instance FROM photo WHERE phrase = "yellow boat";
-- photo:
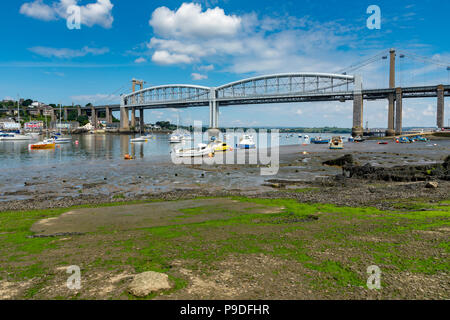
(43, 145)
(221, 146)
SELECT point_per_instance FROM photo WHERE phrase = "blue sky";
(214, 42)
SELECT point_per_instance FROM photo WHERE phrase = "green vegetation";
(329, 246)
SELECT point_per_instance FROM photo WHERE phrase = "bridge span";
(277, 88)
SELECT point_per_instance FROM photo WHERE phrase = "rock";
(432, 185)
(146, 283)
(340, 162)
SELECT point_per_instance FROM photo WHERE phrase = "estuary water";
(106, 147)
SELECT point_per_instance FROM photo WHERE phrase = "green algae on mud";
(328, 248)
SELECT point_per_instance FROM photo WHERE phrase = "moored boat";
(6, 136)
(140, 139)
(43, 145)
(358, 139)
(201, 151)
(246, 142)
(220, 146)
(320, 140)
(336, 143)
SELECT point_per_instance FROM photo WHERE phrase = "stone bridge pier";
(358, 108)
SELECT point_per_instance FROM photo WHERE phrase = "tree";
(83, 120)
(27, 103)
(89, 105)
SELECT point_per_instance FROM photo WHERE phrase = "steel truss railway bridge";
(276, 88)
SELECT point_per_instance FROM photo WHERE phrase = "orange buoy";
(128, 157)
(210, 155)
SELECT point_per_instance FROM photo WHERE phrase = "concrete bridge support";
(440, 107)
(141, 119)
(109, 115)
(133, 117)
(358, 108)
(124, 119)
(53, 115)
(94, 117)
(79, 111)
(398, 111)
(66, 114)
(357, 129)
(391, 109)
(391, 116)
(213, 114)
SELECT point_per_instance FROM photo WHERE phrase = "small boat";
(43, 145)
(420, 139)
(220, 146)
(13, 136)
(358, 139)
(404, 140)
(33, 135)
(201, 151)
(58, 139)
(383, 142)
(246, 142)
(319, 140)
(336, 143)
(140, 139)
(175, 138)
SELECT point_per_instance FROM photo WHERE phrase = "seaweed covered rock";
(400, 173)
(340, 162)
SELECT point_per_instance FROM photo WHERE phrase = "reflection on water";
(157, 148)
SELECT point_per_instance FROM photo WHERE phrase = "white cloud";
(58, 74)
(65, 53)
(198, 76)
(429, 112)
(246, 44)
(38, 10)
(190, 21)
(98, 13)
(167, 58)
(140, 60)
(206, 68)
(95, 98)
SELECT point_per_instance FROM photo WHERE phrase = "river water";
(96, 147)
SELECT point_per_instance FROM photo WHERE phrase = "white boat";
(201, 151)
(5, 136)
(336, 143)
(140, 139)
(61, 140)
(175, 138)
(187, 137)
(246, 142)
(33, 135)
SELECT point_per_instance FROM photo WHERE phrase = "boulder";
(432, 185)
(340, 162)
(146, 283)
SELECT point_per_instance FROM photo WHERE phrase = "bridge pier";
(141, 119)
(79, 111)
(94, 117)
(358, 108)
(133, 117)
(124, 119)
(213, 114)
(440, 107)
(398, 111)
(108, 115)
(66, 115)
(391, 116)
